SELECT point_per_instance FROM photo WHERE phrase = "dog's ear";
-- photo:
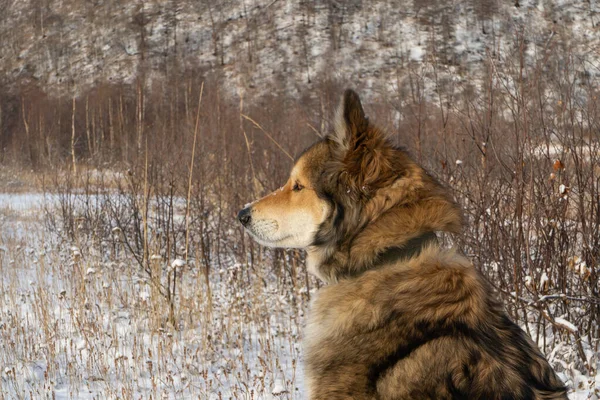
(363, 151)
(350, 118)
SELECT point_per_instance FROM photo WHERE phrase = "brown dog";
(402, 317)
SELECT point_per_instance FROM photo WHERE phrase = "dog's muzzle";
(244, 216)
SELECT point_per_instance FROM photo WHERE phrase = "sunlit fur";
(401, 317)
(287, 217)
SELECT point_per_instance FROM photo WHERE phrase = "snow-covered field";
(78, 319)
(76, 323)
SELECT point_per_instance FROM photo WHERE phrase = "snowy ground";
(77, 324)
(78, 320)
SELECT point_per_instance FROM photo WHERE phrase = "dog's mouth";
(265, 232)
(268, 233)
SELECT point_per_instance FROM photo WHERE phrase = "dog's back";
(422, 328)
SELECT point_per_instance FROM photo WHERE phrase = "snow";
(95, 338)
(278, 388)
(22, 202)
(565, 324)
(178, 263)
(417, 53)
(562, 189)
(544, 280)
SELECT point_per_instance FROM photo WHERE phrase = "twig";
(189, 194)
(535, 305)
(247, 143)
(315, 130)
(187, 208)
(256, 124)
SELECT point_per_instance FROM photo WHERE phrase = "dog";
(401, 317)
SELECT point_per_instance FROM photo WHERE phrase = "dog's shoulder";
(438, 283)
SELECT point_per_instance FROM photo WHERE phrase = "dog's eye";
(297, 187)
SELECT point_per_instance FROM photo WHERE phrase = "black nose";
(244, 216)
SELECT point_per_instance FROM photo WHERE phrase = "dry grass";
(78, 319)
(18, 180)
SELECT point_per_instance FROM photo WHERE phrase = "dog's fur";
(401, 318)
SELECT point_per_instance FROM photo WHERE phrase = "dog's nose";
(244, 216)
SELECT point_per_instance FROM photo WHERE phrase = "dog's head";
(337, 187)
(291, 216)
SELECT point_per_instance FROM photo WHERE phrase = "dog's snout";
(244, 216)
